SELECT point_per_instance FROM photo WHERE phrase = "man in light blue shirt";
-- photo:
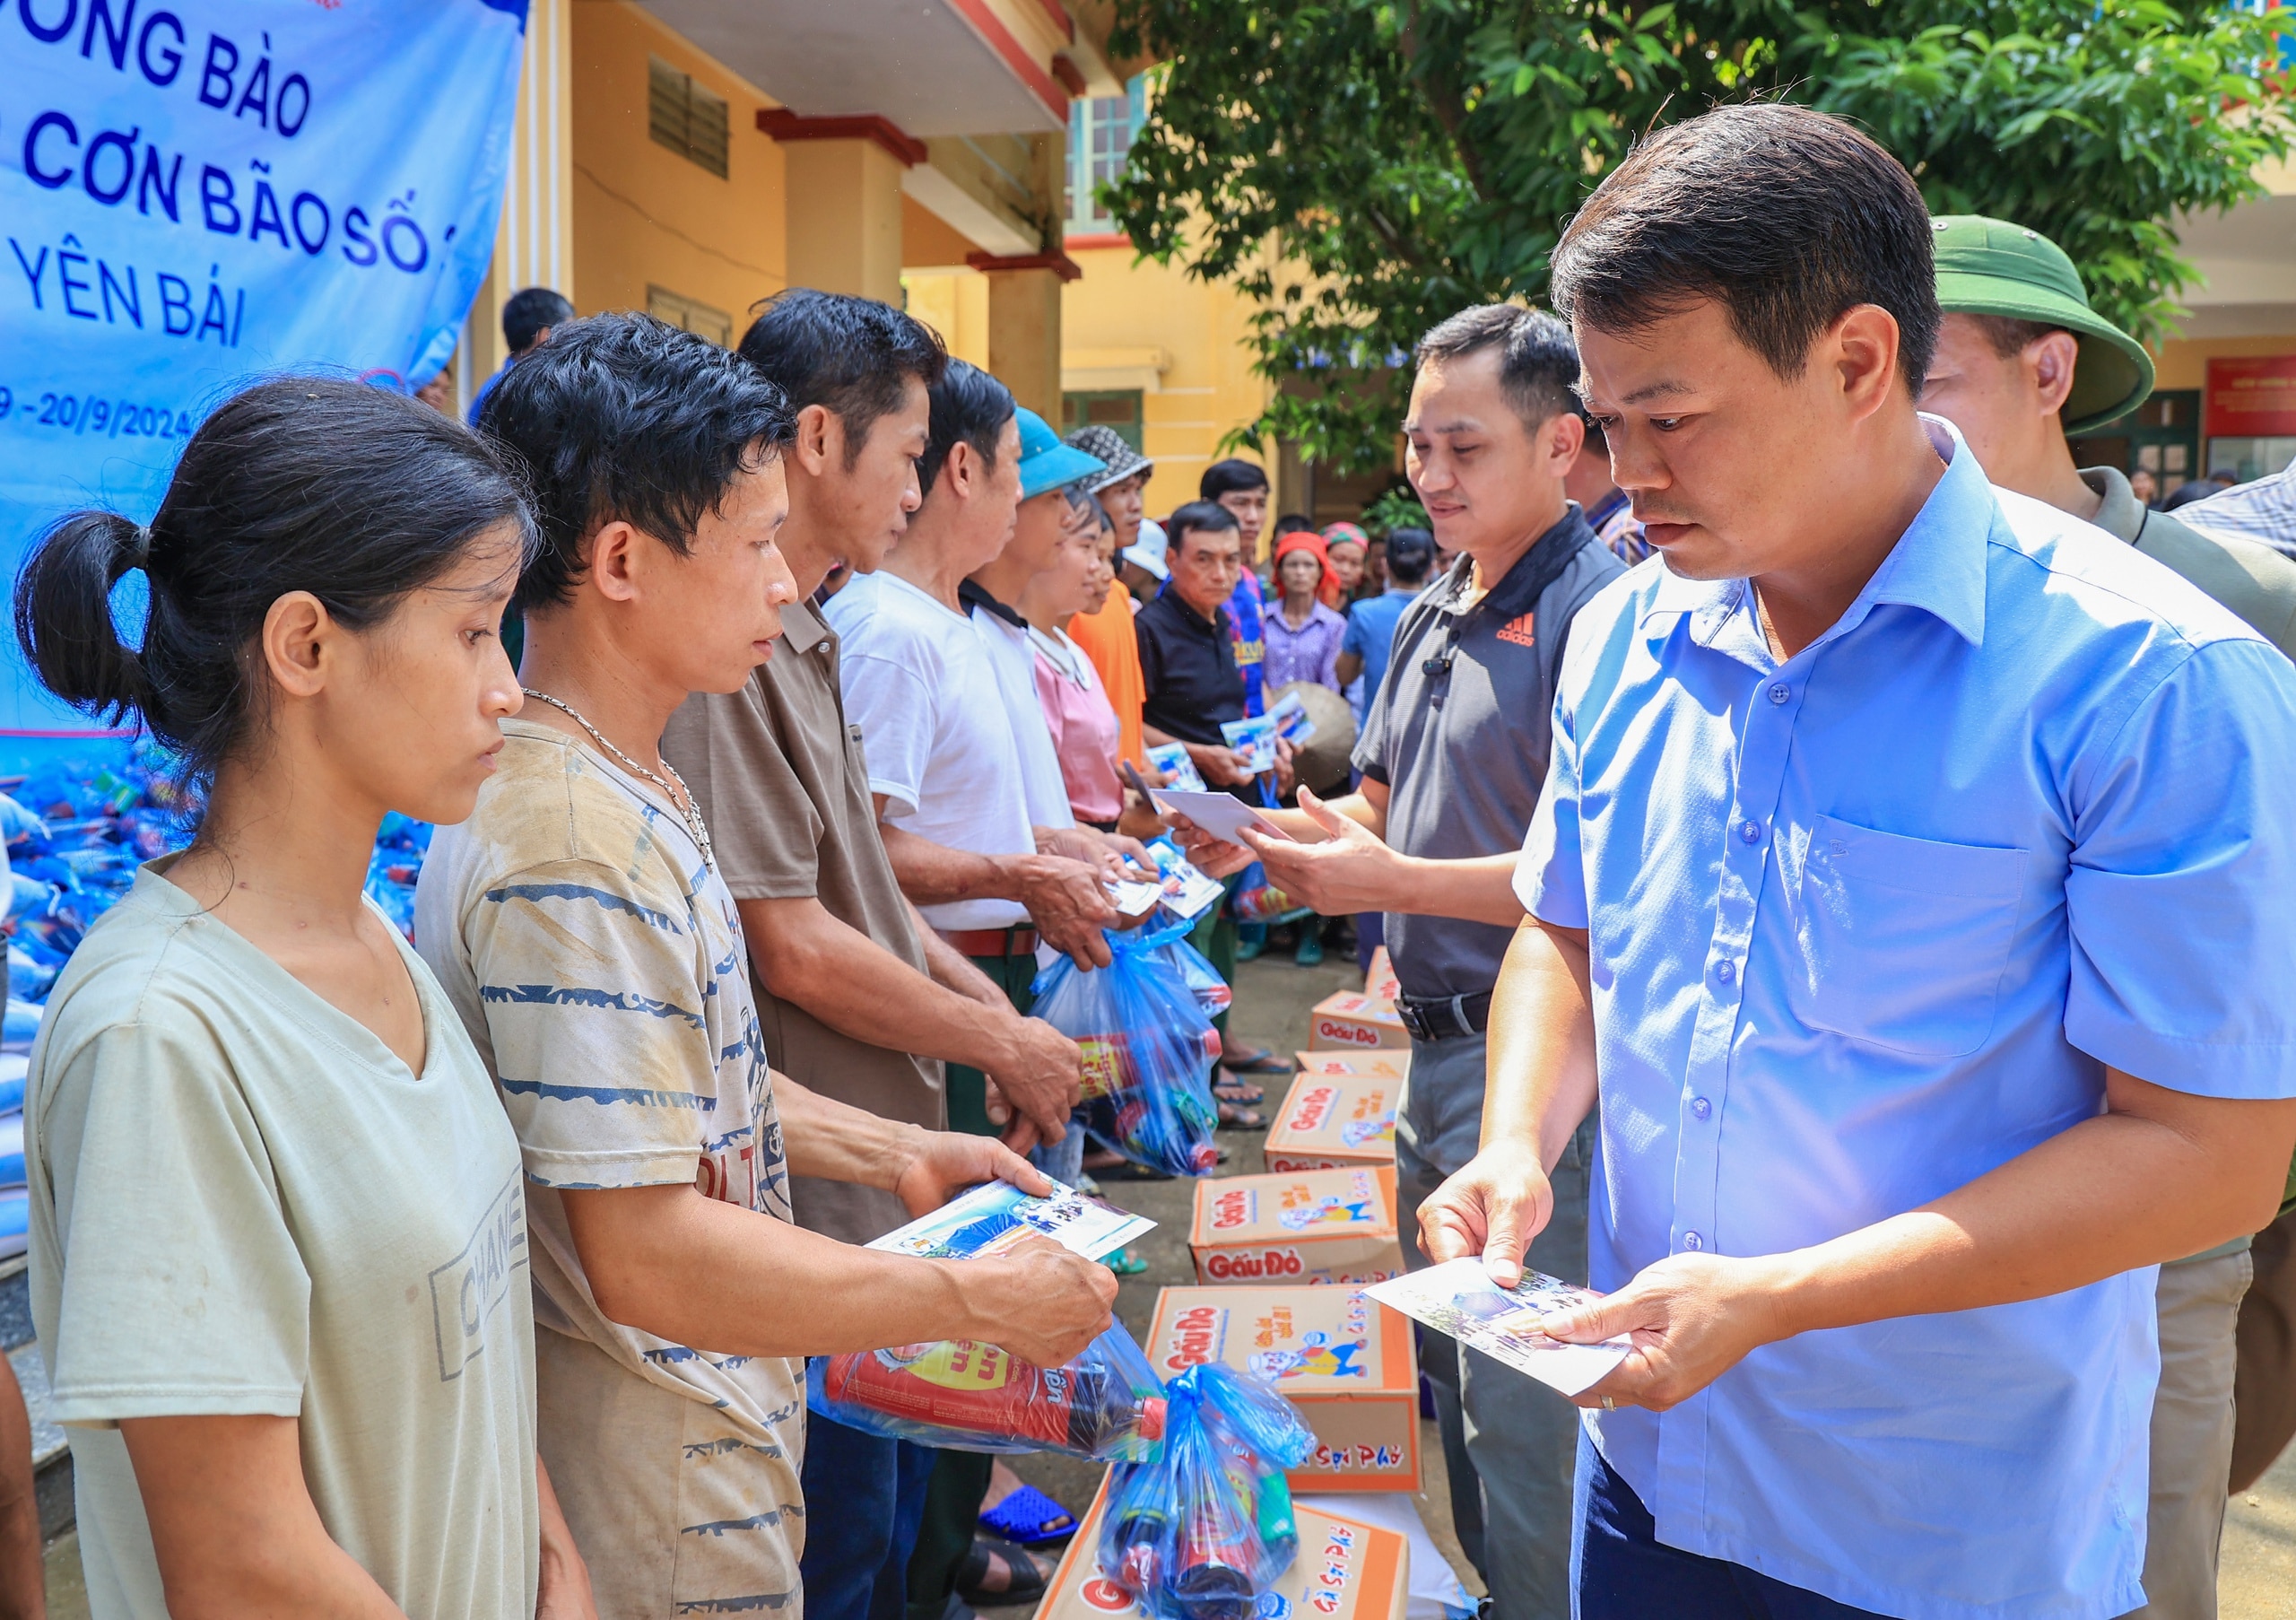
(1910, 893)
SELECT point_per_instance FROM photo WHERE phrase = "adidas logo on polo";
(1522, 632)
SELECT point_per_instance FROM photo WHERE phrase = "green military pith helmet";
(1993, 267)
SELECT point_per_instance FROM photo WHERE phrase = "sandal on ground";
(1129, 1172)
(1242, 1093)
(1027, 1582)
(1232, 1117)
(1125, 1263)
(1254, 1061)
(1029, 1518)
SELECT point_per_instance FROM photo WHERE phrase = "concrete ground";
(1272, 1003)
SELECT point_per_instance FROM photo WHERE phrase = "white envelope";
(1222, 814)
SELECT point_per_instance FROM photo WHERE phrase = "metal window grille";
(685, 117)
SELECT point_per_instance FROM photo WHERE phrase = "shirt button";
(1691, 1239)
(1751, 832)
(1726, 972)
(1701, 1107)
(1780, 692)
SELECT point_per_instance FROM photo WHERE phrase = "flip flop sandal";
(1029, 1518)
(1127, 1264)
(1239, 1092)
(1027, 1583)
(1129, 1172)
(1232, 1117)
(1256, 1060)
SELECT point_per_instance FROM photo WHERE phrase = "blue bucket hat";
(1045, 463)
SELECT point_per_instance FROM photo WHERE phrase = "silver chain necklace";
(680, 797)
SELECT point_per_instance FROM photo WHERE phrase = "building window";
(2161, 436)
(690, 315)
(1118, 408)
(1100, 139)
(684, 116)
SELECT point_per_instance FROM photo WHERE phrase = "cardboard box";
(1333, 1122)
(1346, 1020)
(1380, 983)
(1377, 1063)
(1327, 1226)
(1344, 1571)
(1344, 1361)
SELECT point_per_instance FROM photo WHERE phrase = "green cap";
(1993, 267)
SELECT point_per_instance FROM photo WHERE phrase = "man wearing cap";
(1144, 566)
(1106, 634)
(2021, 364)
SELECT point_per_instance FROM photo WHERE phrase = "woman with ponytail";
(278, 1244)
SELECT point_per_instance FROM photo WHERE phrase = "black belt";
(1444, 1017)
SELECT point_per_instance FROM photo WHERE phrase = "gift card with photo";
(996, 1214)
(1459, 1298)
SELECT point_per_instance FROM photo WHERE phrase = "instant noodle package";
(1327, 1226)
(1336, 1121)
(1344, 1362)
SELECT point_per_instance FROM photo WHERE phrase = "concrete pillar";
(534, 244)
(1024, 326)
(844, 216)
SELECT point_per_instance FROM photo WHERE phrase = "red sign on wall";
(2251, 397)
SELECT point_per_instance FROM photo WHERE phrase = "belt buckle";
(1414, 1024)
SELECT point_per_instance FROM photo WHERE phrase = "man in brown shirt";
(855, 997)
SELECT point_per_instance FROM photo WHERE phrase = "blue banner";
(198, 192)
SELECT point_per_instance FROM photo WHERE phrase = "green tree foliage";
(1363, 168)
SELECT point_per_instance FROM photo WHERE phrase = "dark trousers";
(1618, 1571)
(951, 1510)
(868, 1492)
(1215, 938)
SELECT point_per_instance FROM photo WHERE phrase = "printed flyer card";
(1459, 1298)
(1254, 738)
(996, 1214)
(1173, 763)
(1185, 891)
(1293, 724)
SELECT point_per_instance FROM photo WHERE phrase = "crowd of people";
(1829, 845)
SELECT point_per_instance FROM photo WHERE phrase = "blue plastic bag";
(1149, 1048)
(1202, 980)
(1106, 1405)
(1203, 1530)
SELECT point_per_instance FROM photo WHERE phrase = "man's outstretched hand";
(1691, 1317)
(1492, 1207)
(1350, 869)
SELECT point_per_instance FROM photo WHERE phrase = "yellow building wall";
(956, 304)
(1123, 319)
(2183, 363)
(644, 215)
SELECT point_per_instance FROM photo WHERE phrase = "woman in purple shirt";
(1302, 636)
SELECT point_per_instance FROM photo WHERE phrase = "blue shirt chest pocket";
(1903, 941)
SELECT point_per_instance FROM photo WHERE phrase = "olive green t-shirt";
(242, 1203)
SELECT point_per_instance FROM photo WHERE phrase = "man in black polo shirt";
(1453, 754)
(1188, 648)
